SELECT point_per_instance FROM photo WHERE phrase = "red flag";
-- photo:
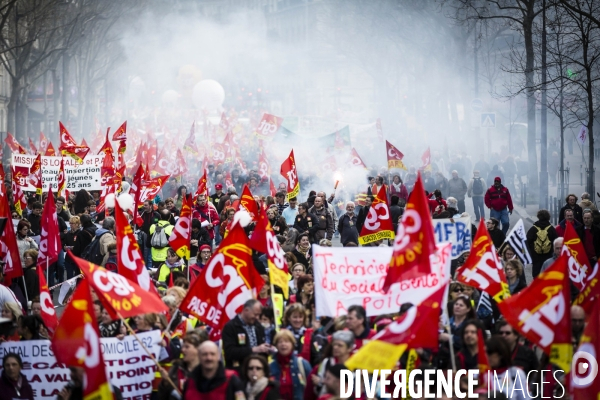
(35, 175)
(121, 133)
(48, 312)
(182, 232)
(130, 262)
(218, 153)
(584, 383)
(379, 129)
(50, 152)
(201, 185)
(229, 147)
(590, 292)
(225, 284)
(264, 170)
(151, 155)
(120, 296)
(84, 143)
(414, 241)
(483, 269)
(224, 127)
(247, 201)
(107, 146)
(329, 165)
(151, 188)
(19, 178)
(394, 156)
(50, 235)
(190, 142)
(579, 264)
(264, 240)
(68, 146)
(413, 329)
(272, 187)
(14, 146)
(43, 143)
(356, 160)
(183, 168)
(121, 152)
(32, 148)
(137, 189)
(268, 126)
(426, 160)
(228, 180)
(482, 360)
(289, 172)
(61, 179)
(541, 313)
(76, 342)
(9, 250)
(378, 225)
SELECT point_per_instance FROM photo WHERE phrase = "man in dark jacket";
(540, 238)
(305, 222)
(244, 335)
(324, 220)
(395, 212)
(571, 205)
(347, 225)
(35, 218)
(590, 237)
(210, 380)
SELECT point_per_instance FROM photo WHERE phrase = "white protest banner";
(79, 176)
(345, 276)
(456, 231)
(128, 366)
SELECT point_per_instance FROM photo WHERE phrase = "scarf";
(251, 332)
(177, 264)
(397, 187)
(303, 250)
(298, 334)
(253, 391)
(286, 384)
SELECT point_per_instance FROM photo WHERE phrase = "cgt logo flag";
(225, 284)
(13, 145)
(288, 171)
(378, 224)
(247, 201)
(121, 132)
(182, 232)
(414, 241)
(76, 342)
(50, 235)
(394, 156)
(483, 269)
(541, 313)
(68, 146)
(120, 296)
(580, 270)
(35, 175)
(355, 159)
(583, 377)
(61, 180)
(263, 240)
(48, 312)
(9, 250)
(268, 126)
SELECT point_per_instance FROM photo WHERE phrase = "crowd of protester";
(303, 359)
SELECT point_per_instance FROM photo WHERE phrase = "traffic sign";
(476, 104)
(488, 120)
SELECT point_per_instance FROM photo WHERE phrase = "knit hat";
(205, 247)
(497, 179)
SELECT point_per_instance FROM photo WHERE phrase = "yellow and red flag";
(394, 156)
(121, 133)
(182, 232)
(19, 178)
(426, 161)
(9, 250)
(50, 152)
(190, 142)
(268, 126)
(542, 314)
(107, 146)
(61, 180)
(584, 383)
(35, 175)
(378, 224)
(68, 146)
(247, 201)
(483, 269)
(76, 343)
(579, 265)
(289, 172)
(263, 240)
(414, 241)
(43, 143)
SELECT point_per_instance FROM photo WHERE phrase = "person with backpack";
(159, 238)
(476, 191)
(149, 218)
(85, 236)
(96, 252)
(539, 241)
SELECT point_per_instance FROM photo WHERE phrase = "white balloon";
(170, 96)
(208, 94)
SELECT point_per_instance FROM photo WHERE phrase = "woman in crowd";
(297, 271)
(306, 288)
(32, 327)
(181, 369)
(145, 322)
(108, 327)
(294, 320)
(24, 242)
(227, 220)
(514, 270)
(181, 193)
(338, 352)
(12, 311)
(287, 368)
(277, 223)
(264, 296)
(255, 373)
(290, 242)
(462, 311)
(32, 282)
(496, 234)
(398, 188)
(302, 250)
(13, 384)
(172, 263)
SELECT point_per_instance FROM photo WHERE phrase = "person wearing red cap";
(215, 199)
(498, 200)
(205, 252)
(207, 215)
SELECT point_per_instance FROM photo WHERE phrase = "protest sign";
(128, 366)
(79, 176)
(456, 231)
(354, 275)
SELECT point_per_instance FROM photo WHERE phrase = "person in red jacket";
(207, 214)
(498, 200)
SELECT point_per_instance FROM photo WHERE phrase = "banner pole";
(161, 369)
(25, 287)
(450, 341)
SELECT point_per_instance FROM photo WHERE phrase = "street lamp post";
(543, 200)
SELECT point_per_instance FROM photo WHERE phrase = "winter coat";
(325, 222)
(498, 198)
(207, 213)
(457, 188)
(347, 228)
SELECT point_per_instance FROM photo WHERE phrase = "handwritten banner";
(345, 276)
(456, 231)
(128, 366)
(79, 176)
